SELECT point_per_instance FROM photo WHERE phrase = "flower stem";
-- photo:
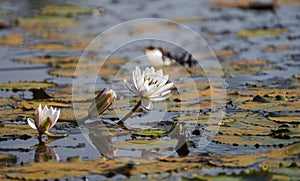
(81, 120)
(121, 122)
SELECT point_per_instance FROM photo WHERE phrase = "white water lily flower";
(150, 85)
(44, 119)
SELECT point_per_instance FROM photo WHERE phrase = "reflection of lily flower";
(150, 86)
(44, 119)
(44, 153)
(102, 102)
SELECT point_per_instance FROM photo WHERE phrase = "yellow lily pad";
(48, 60)
(7, 160)
(18, 86)
(47, 46)
(65, 10)
(274, 106)
(286, 119)
(33, 104)
(152, 133)
(247, 160)
(47, 22)
(11, 39)
(7, 102)
(262, 32)
(277, 48)
(17, 130)
(102, 166)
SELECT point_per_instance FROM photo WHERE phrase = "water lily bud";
(102, 102)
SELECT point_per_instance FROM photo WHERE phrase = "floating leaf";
(247, 4)
(271, 107)
(7, 160)
(286, 119)
(14, 114)
(16, 130)
(47, 46)
(277, 48)
(20, 86)
(151, 133)
(33, 104)
(11, 39)
(188, 19)
(6, 102)
(58, 170)
(247, 160)
(47, 21)
(263, 32)
(65, 10)
(260, 99)
(48, 60)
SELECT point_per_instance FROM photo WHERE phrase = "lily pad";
(47, 46)
(247, 160)
(65, 10)
(20, 86)
(262, 32)
(286, 119)
(7, 160)
(151, 133)
(102, 166)
(33, 104)
(7, 102)
(11, 39)
(47, 22)
(48, 60)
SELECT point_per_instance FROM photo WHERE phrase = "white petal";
(31, 123)
(132, 89)
(163, 89)
(160, 73)
(43, 115)
(54, 116)
(160, 98)
(139, 78)
(147, 104)
(40, 108)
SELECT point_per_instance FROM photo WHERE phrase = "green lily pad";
(65, 10)
(20, 86)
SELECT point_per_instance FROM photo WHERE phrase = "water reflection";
(114, 144)
(44, 153)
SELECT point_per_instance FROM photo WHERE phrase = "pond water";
(256, 50)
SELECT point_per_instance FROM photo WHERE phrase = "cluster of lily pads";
(149, 85)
